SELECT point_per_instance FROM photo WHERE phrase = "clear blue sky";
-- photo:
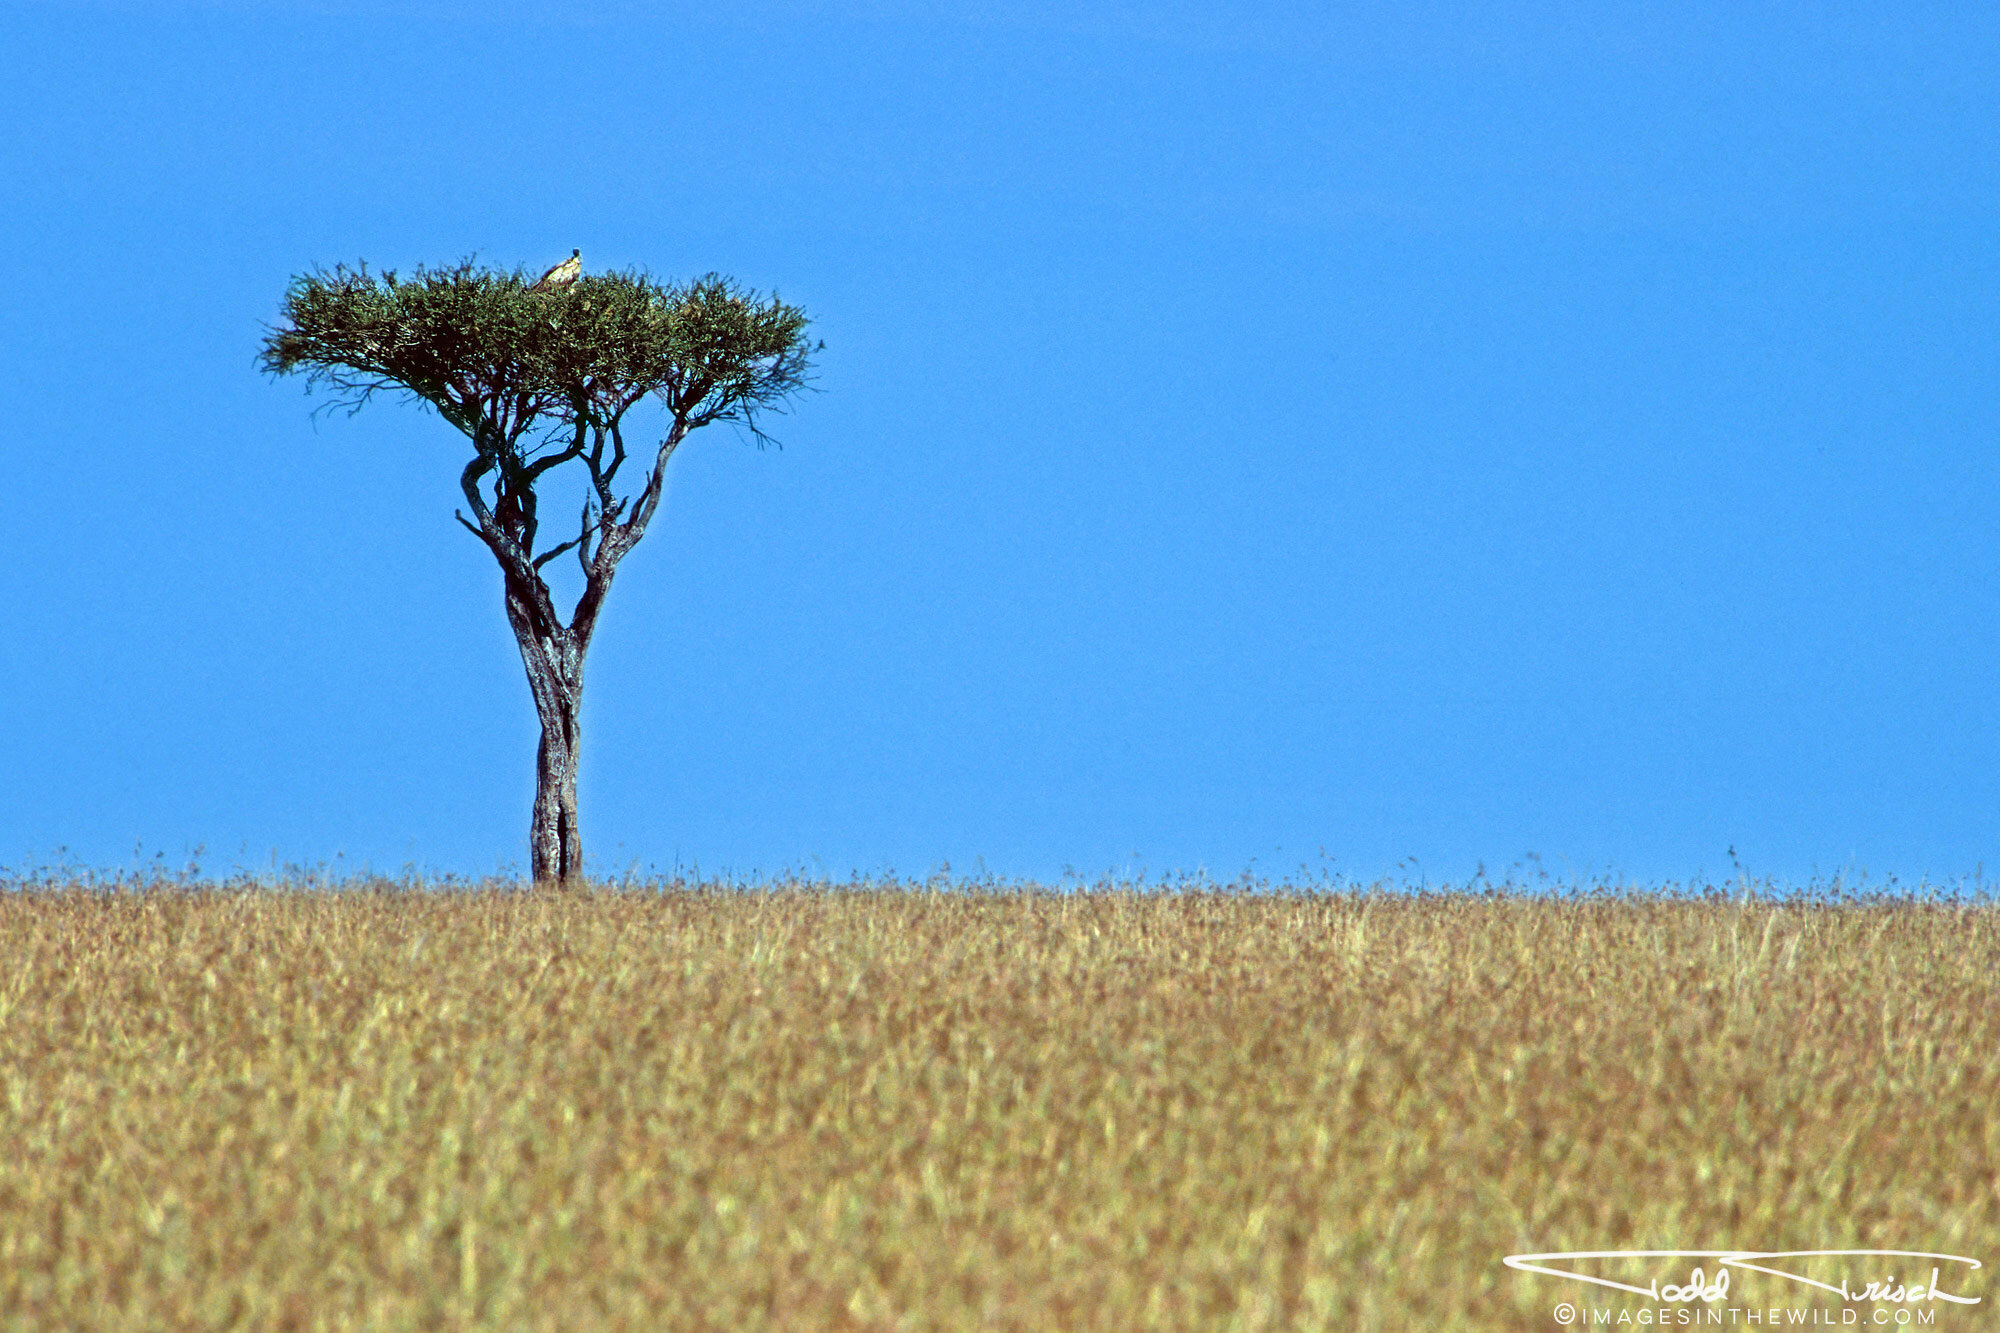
(1397, 431)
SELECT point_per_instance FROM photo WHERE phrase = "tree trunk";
(551, 651)
(555, 843)
(553, 656)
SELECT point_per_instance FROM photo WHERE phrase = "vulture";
(562, 275)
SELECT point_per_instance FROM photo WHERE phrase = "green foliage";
(499, 361)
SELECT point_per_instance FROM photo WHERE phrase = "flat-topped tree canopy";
(537, 377)
(487, 352)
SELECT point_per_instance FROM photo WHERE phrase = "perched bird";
(562, 275)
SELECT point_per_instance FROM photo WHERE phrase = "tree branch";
(576, 542)
(582, 553)
(536, 381)
(642, 512)
(534, 470)
(468, 481)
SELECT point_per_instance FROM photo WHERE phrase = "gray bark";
(552, 652)
(554, 663)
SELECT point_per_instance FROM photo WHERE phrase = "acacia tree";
(539, 380)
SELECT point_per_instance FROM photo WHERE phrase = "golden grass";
(919, 1110)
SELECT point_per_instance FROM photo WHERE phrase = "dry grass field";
(868, 1109)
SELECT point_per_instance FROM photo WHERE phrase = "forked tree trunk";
(551, 651)
(553, 656)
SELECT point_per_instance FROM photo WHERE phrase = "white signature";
(1701, 1288)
